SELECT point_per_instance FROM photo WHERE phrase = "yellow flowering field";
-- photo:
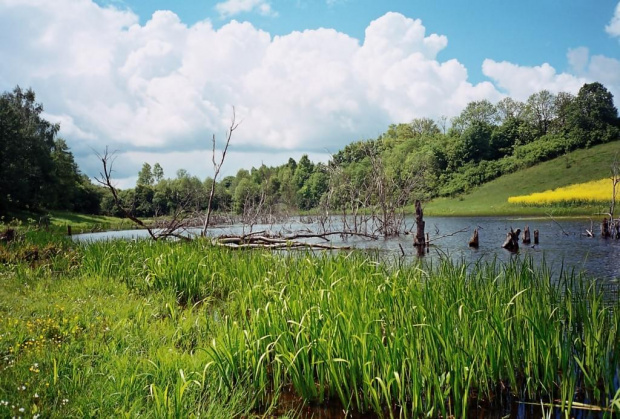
(590, 192)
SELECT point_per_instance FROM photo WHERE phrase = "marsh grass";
(181, 329)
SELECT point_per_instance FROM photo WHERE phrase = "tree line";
(421, 159)
(37, 170)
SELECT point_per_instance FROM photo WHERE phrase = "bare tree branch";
(217, 167)
(169, 229)
(105, 179)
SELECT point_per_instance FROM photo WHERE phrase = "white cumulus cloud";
(520, 82)
(230, 8)
(164, 86)
(613, 28)
(161, 89)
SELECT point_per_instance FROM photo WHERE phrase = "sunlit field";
(598, 191)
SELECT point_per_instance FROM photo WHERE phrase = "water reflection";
(562, 243)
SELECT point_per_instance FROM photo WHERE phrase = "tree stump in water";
(512, 240)
(526, 235)
(535, 236)
(605, 228)
(474, 239)
(419, 239)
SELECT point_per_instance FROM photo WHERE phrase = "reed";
(181, 329)
(420, 340)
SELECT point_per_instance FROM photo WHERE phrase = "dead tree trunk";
(610, 228)
(605, 228)
(536, 236)
(474, 239)
(419, 239)
(216, 171)
(526, 235)
(512, 240)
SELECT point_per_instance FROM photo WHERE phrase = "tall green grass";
(379, 337)
(74, 344)
(180, 329)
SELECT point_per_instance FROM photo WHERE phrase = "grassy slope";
(492, 198)
(83, 222)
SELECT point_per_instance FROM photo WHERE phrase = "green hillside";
(492, 197)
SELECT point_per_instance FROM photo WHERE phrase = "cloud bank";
(165, 87)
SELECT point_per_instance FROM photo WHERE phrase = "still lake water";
(562, 242)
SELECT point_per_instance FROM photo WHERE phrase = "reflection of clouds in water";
(595, 257)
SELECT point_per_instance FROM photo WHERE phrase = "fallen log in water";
(286, 245)
(293, 241)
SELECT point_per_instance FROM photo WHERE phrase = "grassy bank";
(492, 198)
(59, 220)
(185, 329)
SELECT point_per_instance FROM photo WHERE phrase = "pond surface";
(563, 245)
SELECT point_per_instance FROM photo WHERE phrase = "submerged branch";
(463, 230)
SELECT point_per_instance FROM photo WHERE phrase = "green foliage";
(37, 170)
(540, 111)
(158, 172)
(26, 142)
(145, 176)
(477, 112)
(247, 194)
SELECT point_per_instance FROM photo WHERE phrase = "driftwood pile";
(265, 240)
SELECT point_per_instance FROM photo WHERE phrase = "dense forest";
(37, 170)
(421, 159)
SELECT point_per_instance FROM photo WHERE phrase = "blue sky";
(156, 79)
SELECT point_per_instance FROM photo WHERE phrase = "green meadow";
(491, 198)
(170, 329)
